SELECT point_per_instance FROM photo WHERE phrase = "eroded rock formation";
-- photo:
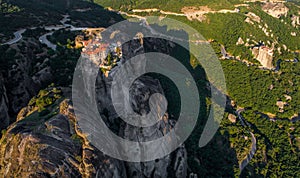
(50, 143)
(275, 9)
(264, 55)
(295, 20)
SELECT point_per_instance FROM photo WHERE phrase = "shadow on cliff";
(217, 159)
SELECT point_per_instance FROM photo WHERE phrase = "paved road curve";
(43, 39)
(18, 37)
(248, 158)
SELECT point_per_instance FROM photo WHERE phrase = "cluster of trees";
(277, 150)
(252, 88)
(261, 89)
(6, 7)
(63, 65)
(96, 17)
(36, 13)
(64, 37)
(63, 61)
(29, 14)
(45, 98)
(168, 5)
(34, 33)
(43, 106)
(281, 30)
(249, 86)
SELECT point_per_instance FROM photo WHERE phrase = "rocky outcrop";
(157, 168)
(293, 33)
(50, 146)
(264, 55)
(139, 95)
(295, 20)
(251, 18)
(295, 118)
(275, 9)
(281, 105)
(240, 41)
(232, 118)
(50, 143)
(44, 144)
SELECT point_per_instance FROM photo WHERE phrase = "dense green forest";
(250, 87)
(168, 5)
(278, 148)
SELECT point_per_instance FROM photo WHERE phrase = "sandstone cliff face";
(264, 55)
(275, 9)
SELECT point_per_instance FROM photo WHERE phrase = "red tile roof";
(90, 50)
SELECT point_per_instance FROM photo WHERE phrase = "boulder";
(240, 41)
(232, 118)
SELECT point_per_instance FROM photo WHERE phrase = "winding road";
(43, 39)
(18, 37)
(248, 158)
(250, 155)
